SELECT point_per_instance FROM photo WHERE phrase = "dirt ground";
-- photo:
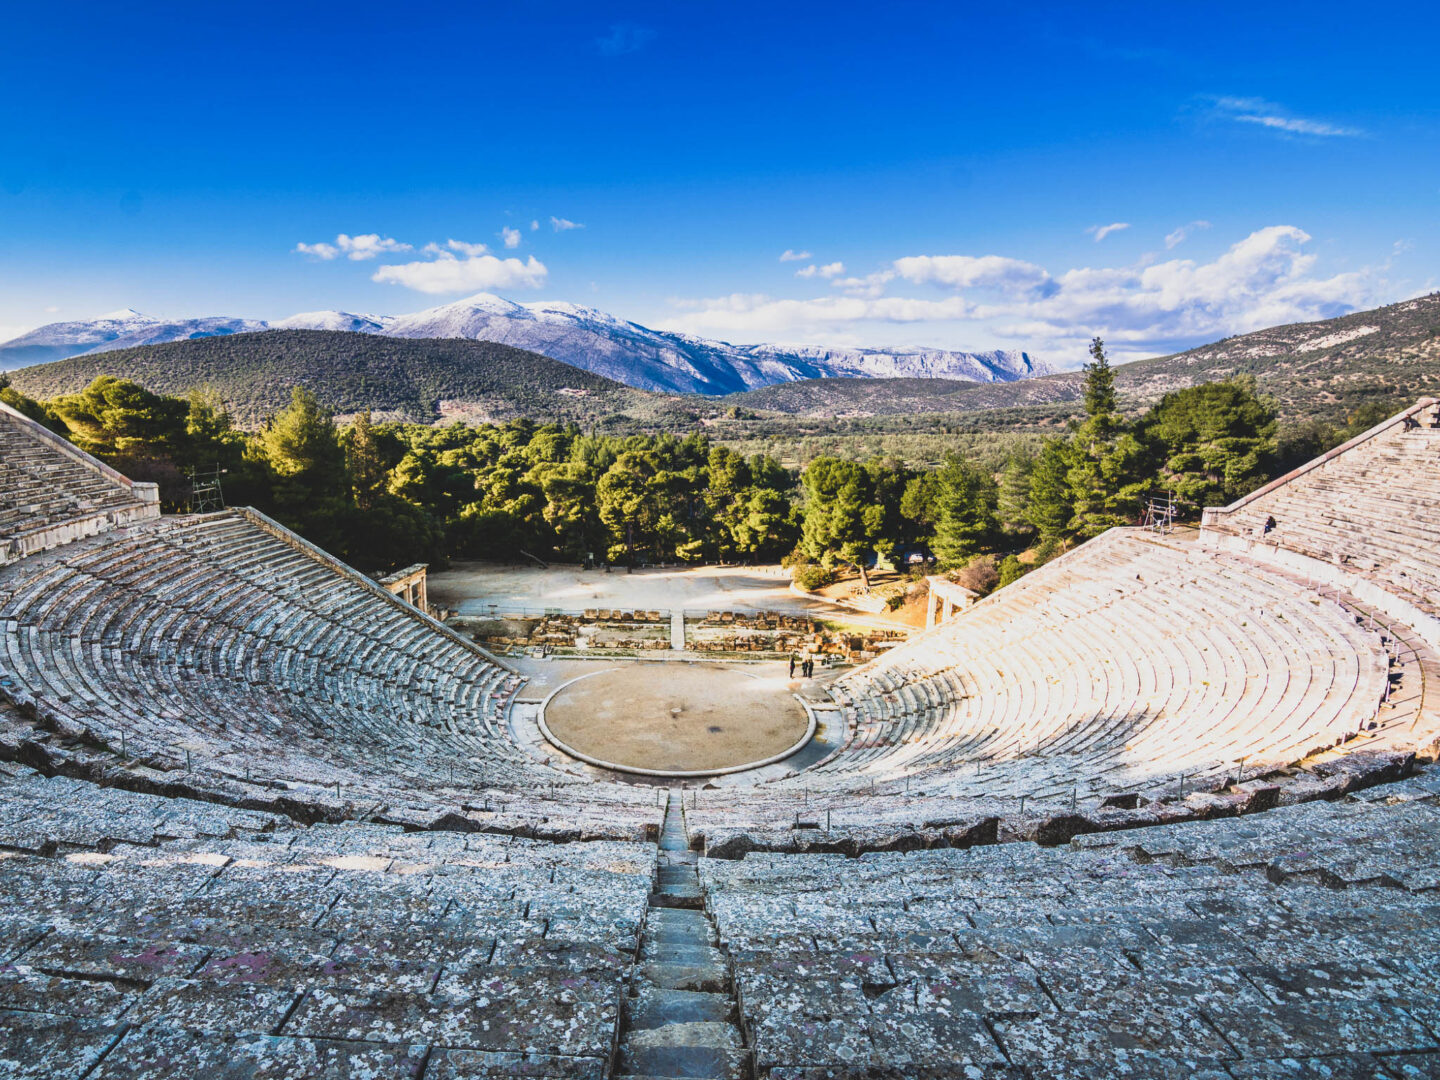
(912, 613)
(678, 717)
(471, 587)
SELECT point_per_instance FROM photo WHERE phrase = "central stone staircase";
(681, 1018)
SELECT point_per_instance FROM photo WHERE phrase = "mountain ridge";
(1311, 369)
(659, 360)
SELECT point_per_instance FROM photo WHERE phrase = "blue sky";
(952, 174)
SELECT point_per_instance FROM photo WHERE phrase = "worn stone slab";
(1317, 1027)
(490, 1065)
(135, 959)
(880, 1071)
(1412, 1066)
(567, 955)
(1330, 1067)
(1122, 1064)
(1099, 991)
(789, 1040)
(22, 987)
(208, 1007)
(414, 946)
(1014, 993)
(540, 984)
(161, 1053)
(1099, 1038)
(512, 1021)
(303, 971)
(933, 1036)
(46, 1046)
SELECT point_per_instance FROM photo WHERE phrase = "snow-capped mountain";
(583, 337)
(117, 330)
(667, 361)
(335, 320)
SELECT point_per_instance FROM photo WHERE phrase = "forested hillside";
(1313, 370)
(387, 494)
(417, 380)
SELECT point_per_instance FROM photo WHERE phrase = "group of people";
(807, 666)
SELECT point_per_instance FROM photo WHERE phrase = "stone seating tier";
(51, 493)
(175, 938)
(1368, 508)
(1128, 667)
(144, 937)
(210, 656)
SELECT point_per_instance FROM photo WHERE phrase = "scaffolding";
(1160, 513)
(205, 494)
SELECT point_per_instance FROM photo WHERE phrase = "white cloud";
(829, 270)
(1267, 114)
(358, 248)
(446, 273)
(1178, 236)
(510, 236)
(794, 256)
(755, 315)
(534, 224)
(1266, 279)
(368, 246)
(560, 224)
(973, 271)
(317, 251)
(1102, 231)
(870, 285)
(468, 250)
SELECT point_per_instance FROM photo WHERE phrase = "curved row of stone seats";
(1129, 669)
(1369, 509)
(221, 656)
(1117, 668)
(1215, 950)
(266, 949)
(52, 493)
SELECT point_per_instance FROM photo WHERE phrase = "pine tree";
(1050, 507)
(1014, 494)
(300, 442)
(965, 512)
(362, 457)
(1099, 383)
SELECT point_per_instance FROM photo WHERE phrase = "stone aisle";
(680, 1019)
(677, 630)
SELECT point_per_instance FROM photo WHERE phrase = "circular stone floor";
(676, 718)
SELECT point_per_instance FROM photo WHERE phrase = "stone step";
(670, 952)
(687, 1062)
(702, 977)
(673, 918)
(681, 935)
(689, 898)
(660, 1008)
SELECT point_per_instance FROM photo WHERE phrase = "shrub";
(1011, 569)
(813, 576)
(979, 575)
